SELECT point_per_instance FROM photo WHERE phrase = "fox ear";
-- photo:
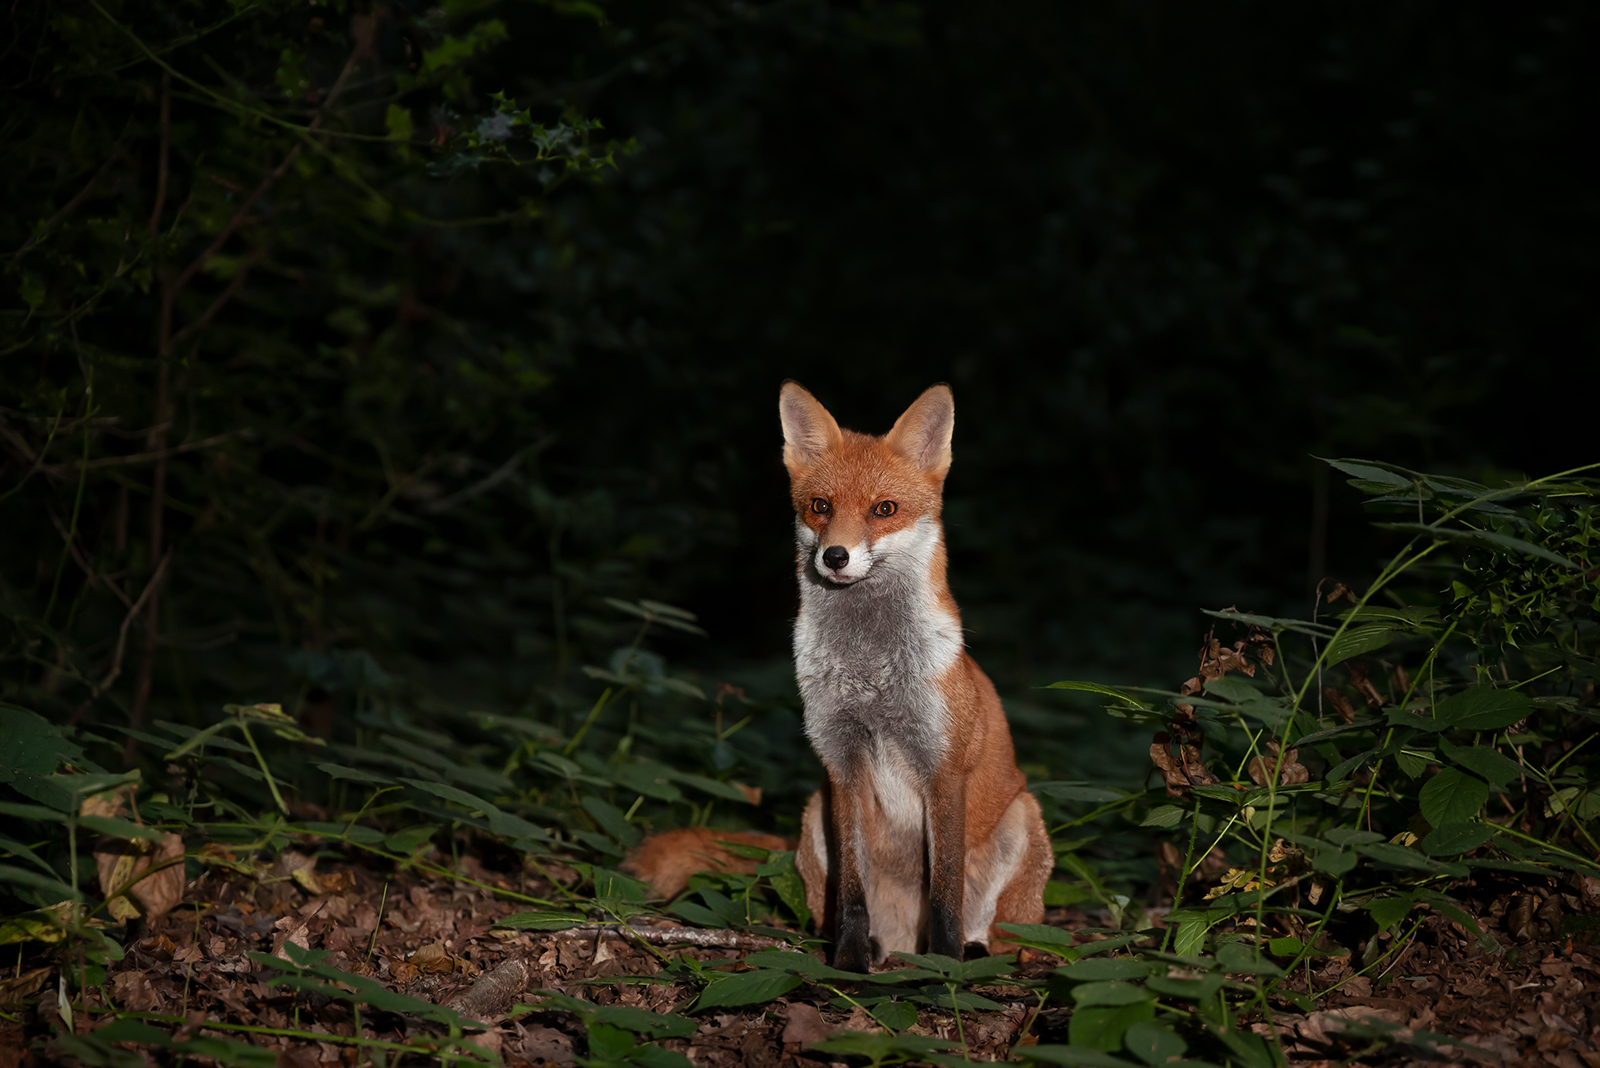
(808, 429)
(922, 434)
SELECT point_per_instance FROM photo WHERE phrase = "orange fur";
(666, 860)
(947, 842)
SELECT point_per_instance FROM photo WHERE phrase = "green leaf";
(1154, 1043)
(1078, 1055)
(339, 771)
(1042, 937)
(1388, 911)
(1109, 992)
(747, 988)
(1449, 839)
(609, 1043)
(1099, 688)
(1452, 796)
(1483, 708)
(1164, 816)
(117, 827)
(30, 744)
(27, 877)
(1076, 791)
(1101, 1027)
(895, 1015)
(397, 123)
(1238, 957)
(612, 821)
(1357, 640)
(1285, 947)
(878, 1048)
(1365, 471)
(1398, 856)
(1503, 544)
(1482, 761)
(1097, 968)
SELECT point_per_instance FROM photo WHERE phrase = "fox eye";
(820, 506)
(885, 509)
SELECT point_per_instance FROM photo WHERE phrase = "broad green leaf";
(878, 1048)
(117, 827)
(1076, 1055)
(38, 881)
(1164, 816)
(1388, 911)
(31, 744)
(339, 771)
(1366, 471)
(1285, 947)
(1449, 839)
(1190, 989)
(1101, 1027)
(1154, 1043)
(1357, 640)
(780, 870)
(1099, 688)
(646, 1023)
(1041, 936)
(1483, 761)
(1097, 968)
(895, 1015)
(746, 988)
(1234, 689)
(1483, 708)
(1107, 992)
(1452, 796)
(1238, 957)
(1504, 544)
(1399, 856)
(1077, 791)
(612, 821)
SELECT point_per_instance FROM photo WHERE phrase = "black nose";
(836, 556)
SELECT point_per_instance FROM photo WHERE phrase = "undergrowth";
(1325, 786)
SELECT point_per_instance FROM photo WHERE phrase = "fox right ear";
(808, 429)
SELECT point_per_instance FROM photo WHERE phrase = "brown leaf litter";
(1440, 998)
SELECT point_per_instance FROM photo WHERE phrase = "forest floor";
(1442, 999)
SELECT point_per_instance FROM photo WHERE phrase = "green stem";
(272, 783)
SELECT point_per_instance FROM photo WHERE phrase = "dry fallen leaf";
(433, 959)
(804, 1025)
(1341, 705)
(150, 872)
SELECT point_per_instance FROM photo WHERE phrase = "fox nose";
(836, 556)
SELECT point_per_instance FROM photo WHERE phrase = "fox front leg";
(852, 946)
(947, 875)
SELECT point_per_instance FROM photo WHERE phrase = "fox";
(924, 837)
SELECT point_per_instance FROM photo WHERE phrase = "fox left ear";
(922, 433)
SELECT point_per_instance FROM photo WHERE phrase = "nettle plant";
(1330, 782)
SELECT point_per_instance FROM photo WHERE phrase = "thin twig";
(162, 158)
(676, 936)
(94, 577)
(122, 638)
(139, 457)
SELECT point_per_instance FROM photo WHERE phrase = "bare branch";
(122, 637)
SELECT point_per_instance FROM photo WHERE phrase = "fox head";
(863, 500)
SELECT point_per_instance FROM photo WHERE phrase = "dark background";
(1166, 255)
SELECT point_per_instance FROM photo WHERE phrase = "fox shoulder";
(666, 860)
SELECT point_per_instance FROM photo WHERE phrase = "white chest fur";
(868, 657)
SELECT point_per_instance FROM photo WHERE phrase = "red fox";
(925, 836)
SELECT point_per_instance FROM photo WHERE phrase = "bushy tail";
(666, 860)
